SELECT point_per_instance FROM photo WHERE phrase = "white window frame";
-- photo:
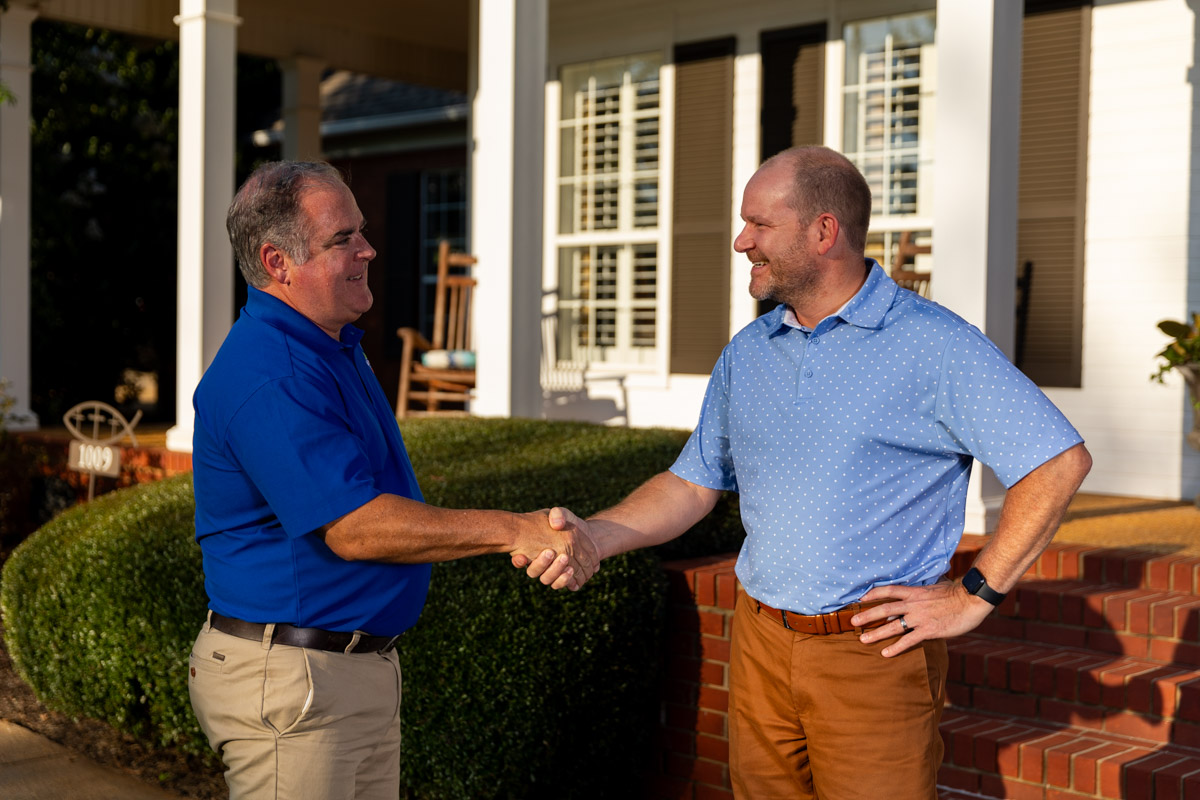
(653, 360)
(882, 221)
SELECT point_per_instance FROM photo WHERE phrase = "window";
(608, 227)
(443, 205)
(888, 115)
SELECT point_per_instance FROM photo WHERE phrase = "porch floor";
(1157, 526)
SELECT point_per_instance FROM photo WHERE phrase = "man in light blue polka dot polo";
(847, 420)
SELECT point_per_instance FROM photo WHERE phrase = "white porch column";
(207, 88)
(301, 108)
(15, 69)
(975, 185)
(507, 130)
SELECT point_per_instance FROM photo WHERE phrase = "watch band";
(976, 584)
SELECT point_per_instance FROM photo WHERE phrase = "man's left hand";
(940, 611)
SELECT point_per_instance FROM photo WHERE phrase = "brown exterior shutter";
(1051, 191)
(701, 237)
(793, 88)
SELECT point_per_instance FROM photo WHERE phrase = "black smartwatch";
(976, 584)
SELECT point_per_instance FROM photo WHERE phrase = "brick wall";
(692, 758)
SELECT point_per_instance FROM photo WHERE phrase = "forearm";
(659, 510)
(399, 530)
(1033, 509)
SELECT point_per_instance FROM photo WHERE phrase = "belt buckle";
(785, 622)
(391, 644)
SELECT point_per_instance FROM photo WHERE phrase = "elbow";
(1078, 463)
(1083, 461)
(347, 548)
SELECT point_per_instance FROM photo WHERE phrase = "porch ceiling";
(406, 40)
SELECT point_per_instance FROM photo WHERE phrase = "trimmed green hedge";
(101, 604)
(510, 690)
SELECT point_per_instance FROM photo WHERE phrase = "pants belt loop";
(353, 642)
(268, 635)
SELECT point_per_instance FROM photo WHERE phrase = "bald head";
(826, 182)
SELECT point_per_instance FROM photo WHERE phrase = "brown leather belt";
(312, 638)
(821, 624)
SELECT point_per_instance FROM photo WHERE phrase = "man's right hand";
(564, 556)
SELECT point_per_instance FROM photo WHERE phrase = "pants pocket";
(287, 688)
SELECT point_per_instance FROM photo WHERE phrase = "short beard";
(797, 282)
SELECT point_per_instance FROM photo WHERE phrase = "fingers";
(585, 552)
(917, 613)
(566, 554)
(536, 566)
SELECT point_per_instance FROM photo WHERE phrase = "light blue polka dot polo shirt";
(850, 445)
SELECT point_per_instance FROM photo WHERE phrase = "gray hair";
(828, 182)
(267, 209)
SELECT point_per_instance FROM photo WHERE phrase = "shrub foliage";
(510, 690)
(100, 603)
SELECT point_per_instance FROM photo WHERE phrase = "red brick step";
(992, 755)
(1153, 700)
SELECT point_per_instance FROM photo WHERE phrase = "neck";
(844, 279)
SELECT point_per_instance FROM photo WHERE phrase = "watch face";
(973, 580)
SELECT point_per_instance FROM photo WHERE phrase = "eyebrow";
(345, 232)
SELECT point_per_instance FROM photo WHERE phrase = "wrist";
(601, 532)
(976, 585)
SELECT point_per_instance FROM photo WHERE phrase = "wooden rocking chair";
(909, 277)
(437, 377)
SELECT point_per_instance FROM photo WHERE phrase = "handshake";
(557, 547)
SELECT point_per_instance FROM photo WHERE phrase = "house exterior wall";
(588, 30)
(1140, 263)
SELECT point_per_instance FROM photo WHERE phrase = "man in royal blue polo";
(316, 542)
(847, 419)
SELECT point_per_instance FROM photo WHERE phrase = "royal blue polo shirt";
(292, 432)
(850, 445)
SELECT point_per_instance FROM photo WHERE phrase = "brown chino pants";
(829, 718)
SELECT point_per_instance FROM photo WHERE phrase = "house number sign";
(98, 453)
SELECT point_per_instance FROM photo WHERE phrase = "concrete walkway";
(34, 768)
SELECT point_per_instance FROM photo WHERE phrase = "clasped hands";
(558, 548)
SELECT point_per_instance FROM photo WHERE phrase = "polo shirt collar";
(866, 309)
(870, 303)
(279, 315)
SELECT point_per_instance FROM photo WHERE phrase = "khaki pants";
(292, 723)
(827, 717)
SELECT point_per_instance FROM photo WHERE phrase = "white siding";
(1137, 254)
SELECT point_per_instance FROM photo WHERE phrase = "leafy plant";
(1184, 348)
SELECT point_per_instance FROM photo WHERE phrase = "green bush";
(510, 690)
(526, 464)
(101, 606)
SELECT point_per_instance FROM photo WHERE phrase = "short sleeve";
(707, 460)
(295, 445)
(994, 413)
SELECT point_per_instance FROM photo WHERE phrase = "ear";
(275, 262)
(827, 230)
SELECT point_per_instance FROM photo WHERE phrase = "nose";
(366, 251)
(744, 240)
